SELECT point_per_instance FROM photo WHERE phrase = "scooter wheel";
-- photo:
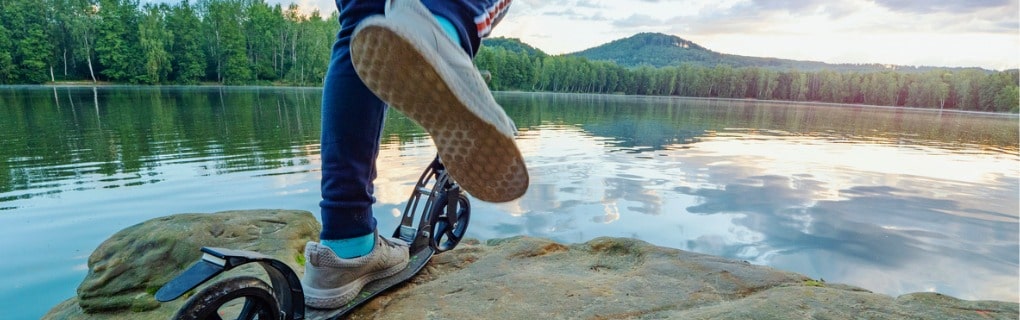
(242, 297)
(446, 235)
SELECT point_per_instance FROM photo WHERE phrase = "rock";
(530, 278)
(604, 278)
(127, 269)
(614, 278)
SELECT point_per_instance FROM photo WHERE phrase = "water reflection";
(827, 192)
(892, 200)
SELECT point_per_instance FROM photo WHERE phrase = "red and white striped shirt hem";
(485, 21)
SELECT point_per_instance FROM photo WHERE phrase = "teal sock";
(448, 27)
(352, 247)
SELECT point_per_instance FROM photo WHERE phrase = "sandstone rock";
(614, 278)
(520, 278)
(127, 269)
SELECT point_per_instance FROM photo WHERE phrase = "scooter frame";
(444, 219)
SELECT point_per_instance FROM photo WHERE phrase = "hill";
(659, 64)
(513, 45)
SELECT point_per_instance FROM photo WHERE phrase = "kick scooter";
(444, 219)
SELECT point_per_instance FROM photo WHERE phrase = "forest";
(960, 89)
(231, 42)
(249, 42)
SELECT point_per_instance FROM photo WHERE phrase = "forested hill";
(656, 64)
(513, 45)
(657, 50)
(661, 50)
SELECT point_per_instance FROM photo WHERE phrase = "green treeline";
(224, 41)
(250, 42)
(967, 89)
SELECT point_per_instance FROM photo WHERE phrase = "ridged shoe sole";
(481, 158)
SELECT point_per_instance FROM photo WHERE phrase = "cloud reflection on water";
(893, 212)
(799, 203)
(887, 218)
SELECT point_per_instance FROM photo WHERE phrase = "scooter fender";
(196, 275)
(218, 260)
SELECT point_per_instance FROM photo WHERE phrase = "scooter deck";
(417, 262)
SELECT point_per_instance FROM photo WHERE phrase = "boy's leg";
(406, 59)
(351, 253)
(352, 118)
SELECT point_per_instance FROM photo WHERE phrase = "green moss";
(814, 283)
(300, 259)
(143, 304)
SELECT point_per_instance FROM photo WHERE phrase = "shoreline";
(86, 84)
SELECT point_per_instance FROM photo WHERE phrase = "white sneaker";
(407, 60)
(331, 282)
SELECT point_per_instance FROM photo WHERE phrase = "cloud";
(638, 21)
(575, 15)
(589, 4)
(530, 6)
(854, 16)
(956, 6)
(799, 6)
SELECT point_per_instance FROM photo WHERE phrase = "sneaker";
(331, 282)
(407, 60)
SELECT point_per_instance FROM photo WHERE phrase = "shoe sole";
(483, 160)
(338, 297)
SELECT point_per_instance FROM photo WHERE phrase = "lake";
(892, 200)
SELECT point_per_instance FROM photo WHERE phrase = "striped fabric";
(488, 19)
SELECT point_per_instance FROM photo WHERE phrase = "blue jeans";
(352, 116)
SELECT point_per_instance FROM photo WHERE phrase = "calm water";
(891, 200)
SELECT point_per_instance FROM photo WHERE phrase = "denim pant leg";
(352, 120)
(352, 116)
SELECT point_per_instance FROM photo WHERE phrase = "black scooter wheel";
(447, 231)
(242, 297)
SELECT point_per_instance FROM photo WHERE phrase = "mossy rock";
(126, 269)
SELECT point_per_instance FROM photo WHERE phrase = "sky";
(951, 33)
